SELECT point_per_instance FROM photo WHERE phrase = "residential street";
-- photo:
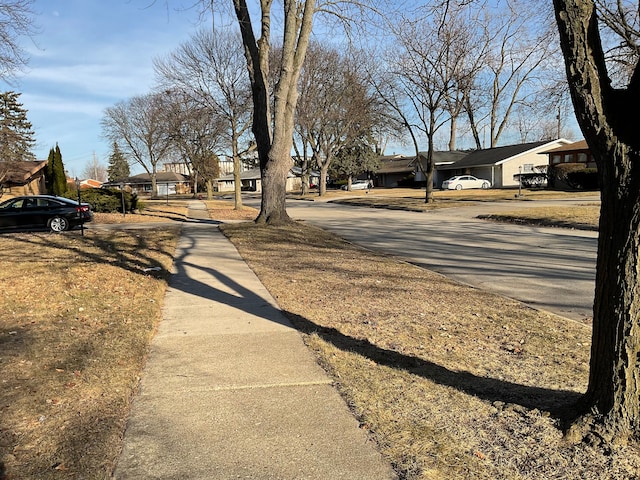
(548, 268)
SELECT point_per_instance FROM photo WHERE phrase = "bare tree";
(95, 170)
(468, 55)
(607, 116)
(335, 107)
(516, 39)
(16, 20)
(211, 69)
(429, 68)
(610, 409)
(274, 143)
(196, 133)
(139, 126)
(620, 38)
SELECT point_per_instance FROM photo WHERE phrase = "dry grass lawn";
(154, 211)
(413, 199)
(77, 314)
(583, 217)
(223, 210)
(452, 382)
(76, 317)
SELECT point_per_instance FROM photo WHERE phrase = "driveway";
(547, 268)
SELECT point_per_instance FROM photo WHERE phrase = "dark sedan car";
(43, 211)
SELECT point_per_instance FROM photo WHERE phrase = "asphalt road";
(548, 268)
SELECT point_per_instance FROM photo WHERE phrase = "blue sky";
(87, 56)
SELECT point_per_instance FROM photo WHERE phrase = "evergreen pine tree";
(355, 158)
(59, 175)
(56, 178)
(48, 178)
(16, 134)
(118, 168)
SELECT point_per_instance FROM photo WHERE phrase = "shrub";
(574, 176)
(107, 200)
(586, 179)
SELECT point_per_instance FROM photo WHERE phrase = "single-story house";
(168, 183)
(442, 160)
(567, 158)
(394, 171)
(576, 152)
(252, 180)
(501, 165)
(23, 178)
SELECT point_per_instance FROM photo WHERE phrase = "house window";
(582, 157)
(147, 187)
(527, 168)
(555, 159)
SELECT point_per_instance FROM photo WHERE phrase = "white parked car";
(358, 185)
(465, 181)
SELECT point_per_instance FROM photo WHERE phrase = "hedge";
(107, 200)
(574, 176)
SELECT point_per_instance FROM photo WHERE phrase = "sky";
(88, 55)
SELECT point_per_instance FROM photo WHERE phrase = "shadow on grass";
(122, 247)
(559, 403)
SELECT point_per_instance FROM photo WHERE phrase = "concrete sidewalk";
(229, 389)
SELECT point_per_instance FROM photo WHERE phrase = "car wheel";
(458, 187)
(485, 185)
(58, 224)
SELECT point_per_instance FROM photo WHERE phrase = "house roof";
(499, 155)
(254, 174)
(580, 145)
(395, 164)
(21, 172)
(90, 183)
(160, 177)
(446, 157)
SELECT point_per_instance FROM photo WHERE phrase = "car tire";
(58, 224)
(458, 187)
(485, 185)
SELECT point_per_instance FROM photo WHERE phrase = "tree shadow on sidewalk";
(558, 403)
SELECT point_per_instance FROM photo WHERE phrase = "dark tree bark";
(608, 119)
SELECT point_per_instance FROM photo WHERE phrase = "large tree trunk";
(611, 406)
(209, 187)
(322, 182)
(614, 378)
(274, 151)
(430, 167)
(305, 177)
(237, 168)
(453, 128)
(237, 181)
(274, 184)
